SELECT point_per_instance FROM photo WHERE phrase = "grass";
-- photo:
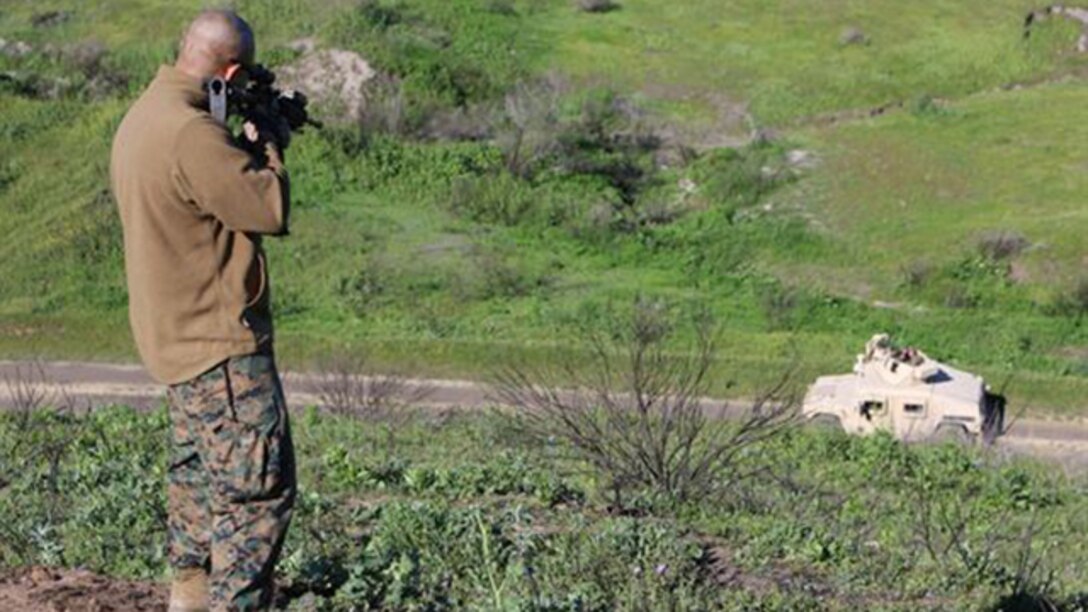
(399, 251)
(785, 58)
(927, 186)
(456, 512)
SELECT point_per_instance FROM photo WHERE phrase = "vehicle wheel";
(953, 433)
(825, 422)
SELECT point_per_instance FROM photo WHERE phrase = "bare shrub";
(346, 385)
(1002, 244)
(1012, 559)
(960, 298)
(29, 388)
(597, 6)
(30, 395)
(472, 123)
(638, 413)
(498, 198)
(502, 276)
(502, 7)
(917, 273)
(779, 305)
(529, 129)
(49, 19)
(385, 108)
(1075, 298)
(90, 58)
(853, 36)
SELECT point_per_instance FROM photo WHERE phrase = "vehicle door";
(872, 414)
(911, 418)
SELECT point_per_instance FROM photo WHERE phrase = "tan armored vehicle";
(904, 392)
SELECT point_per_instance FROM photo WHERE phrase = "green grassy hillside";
(952, 221)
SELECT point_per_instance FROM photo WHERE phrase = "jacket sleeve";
(245, 193)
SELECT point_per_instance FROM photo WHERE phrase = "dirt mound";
(48, 590)
(332, 78)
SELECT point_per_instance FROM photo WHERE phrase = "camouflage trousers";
(231, 479)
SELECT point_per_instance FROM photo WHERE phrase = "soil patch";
(54, 590)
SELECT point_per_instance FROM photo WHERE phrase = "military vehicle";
(904, 392)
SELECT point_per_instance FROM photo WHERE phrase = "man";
(194, 203)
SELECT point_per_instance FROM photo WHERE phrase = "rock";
(853, 36)
(331, 78)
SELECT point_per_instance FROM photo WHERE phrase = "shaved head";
(213, 42)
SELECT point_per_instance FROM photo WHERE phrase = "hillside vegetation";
(527, 169)
(454, 513)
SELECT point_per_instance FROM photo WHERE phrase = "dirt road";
(1065, 442)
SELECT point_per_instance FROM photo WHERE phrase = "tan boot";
(189, 591)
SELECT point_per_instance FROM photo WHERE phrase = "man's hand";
(268, 129)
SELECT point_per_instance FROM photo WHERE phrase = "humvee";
(904, 392)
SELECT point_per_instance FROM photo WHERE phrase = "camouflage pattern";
(232, 479)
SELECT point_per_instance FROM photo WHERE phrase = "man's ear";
(231, 70)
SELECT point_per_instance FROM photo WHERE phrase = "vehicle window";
(871, 407)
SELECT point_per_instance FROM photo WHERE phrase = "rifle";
(258, 95)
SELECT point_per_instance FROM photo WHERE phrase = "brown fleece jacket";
(193, 206)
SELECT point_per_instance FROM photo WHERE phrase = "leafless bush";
(385, 110)
(853, 36)
(1002, 244)
(49, 19)
(502, 7)
(917, 273)
(473, 122)
(779, 305)
(346, 385)
(947, 530)
(597, 6)
(91, 59)
(28, 388)
(29, 392)
(1075, 298)
(638, 414)
(529, 130)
